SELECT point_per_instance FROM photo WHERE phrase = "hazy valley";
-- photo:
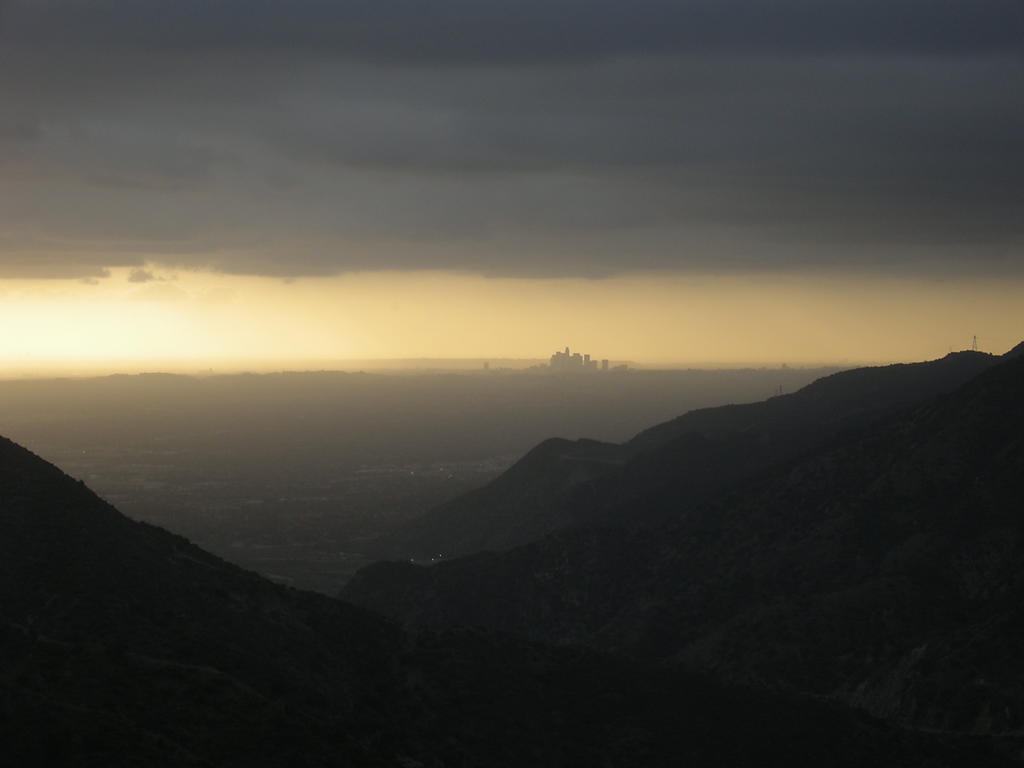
(297, 475)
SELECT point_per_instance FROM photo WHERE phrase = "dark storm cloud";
(482, 30)
(554, 138)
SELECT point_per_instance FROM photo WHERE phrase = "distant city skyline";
(568, 361)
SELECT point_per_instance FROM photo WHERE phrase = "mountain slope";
(125, 645)
(693, 457)
(885, 570)
(526, 502)
(87, 596)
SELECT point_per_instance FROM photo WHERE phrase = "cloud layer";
(558, 138)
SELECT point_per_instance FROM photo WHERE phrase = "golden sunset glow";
(181, 320)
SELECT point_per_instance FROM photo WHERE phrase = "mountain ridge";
(693, 456)
(884, 570)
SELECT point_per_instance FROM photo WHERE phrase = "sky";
(694, 180)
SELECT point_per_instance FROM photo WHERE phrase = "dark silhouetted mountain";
(131, 645)
(884, 569)
(528, 501)
(672, 466)
(1016, 351)
(125, 645)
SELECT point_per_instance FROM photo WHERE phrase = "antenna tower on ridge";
(974, 344)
